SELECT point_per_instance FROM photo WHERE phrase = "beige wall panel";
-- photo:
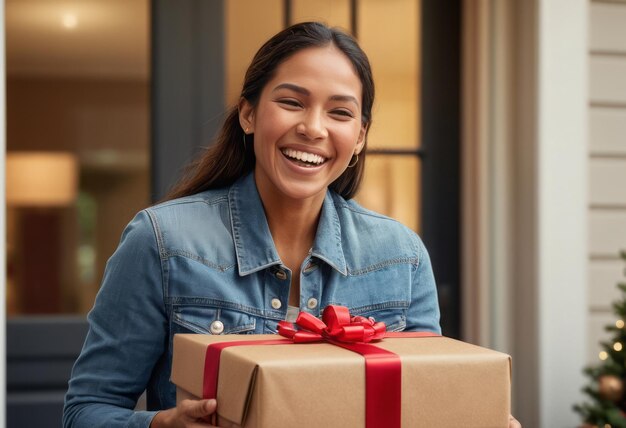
(335, 13)
(607, 178)
(604, 275)
(607, 79)
(607, 130)
(607, 232)
(391, 187)
(595, 333)
(389, 32)
(607, 31)
(249, 23)
(394, 55)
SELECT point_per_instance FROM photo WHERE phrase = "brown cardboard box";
(445, 382)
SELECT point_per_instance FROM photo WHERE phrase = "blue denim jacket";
(207, 264)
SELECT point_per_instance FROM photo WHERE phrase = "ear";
(246, 115)
(360, 143)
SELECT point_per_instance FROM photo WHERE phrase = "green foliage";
(601, 412)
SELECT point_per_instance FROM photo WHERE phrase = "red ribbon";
(383, 369)
(335, 325)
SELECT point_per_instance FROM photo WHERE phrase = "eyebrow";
(304, 91)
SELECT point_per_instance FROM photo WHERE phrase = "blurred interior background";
(78, 86)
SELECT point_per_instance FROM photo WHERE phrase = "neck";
(292, 223)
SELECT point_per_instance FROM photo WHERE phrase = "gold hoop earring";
(353, 164)
(245, 132)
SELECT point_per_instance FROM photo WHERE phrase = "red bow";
(336, 325)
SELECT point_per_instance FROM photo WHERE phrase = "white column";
(561, 207)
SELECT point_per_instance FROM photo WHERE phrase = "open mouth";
(303, 158)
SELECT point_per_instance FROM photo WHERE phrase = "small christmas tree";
(608, 407)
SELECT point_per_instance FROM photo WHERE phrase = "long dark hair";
(229, 158)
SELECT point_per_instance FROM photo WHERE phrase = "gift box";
(268, 381)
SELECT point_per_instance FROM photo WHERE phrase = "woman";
(262, 227)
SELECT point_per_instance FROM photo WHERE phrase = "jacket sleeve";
(127, 335)
(423, 312)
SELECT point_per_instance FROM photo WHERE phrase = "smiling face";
(307, 124)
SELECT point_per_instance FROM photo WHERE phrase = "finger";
(200, 425)
(210, 406)
(514, 423)
(198, 409)
(227, 424)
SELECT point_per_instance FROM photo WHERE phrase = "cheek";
(272, 124)
(347, 137)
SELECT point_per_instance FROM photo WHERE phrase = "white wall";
(562, 201)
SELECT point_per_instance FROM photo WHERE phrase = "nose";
(312, 126)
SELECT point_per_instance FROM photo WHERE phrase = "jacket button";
(276, 304)
(281, 274)
(217, 327)
(312, 303)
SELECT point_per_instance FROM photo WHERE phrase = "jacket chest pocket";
(393, 317)
(210, 320)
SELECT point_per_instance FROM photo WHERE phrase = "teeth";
(303, 156)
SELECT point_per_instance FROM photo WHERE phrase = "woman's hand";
(514, 423)
(186, 414)
(193, 414)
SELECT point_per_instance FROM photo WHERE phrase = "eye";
(343, 113)
(289, 102)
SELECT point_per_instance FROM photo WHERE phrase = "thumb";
(200, 409)
(210, 406)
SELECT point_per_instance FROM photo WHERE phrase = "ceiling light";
(70, 21)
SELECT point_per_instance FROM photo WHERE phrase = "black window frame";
(188, 98)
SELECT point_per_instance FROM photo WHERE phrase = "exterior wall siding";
(607, 164)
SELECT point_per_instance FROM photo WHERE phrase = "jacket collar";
(253, 241)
